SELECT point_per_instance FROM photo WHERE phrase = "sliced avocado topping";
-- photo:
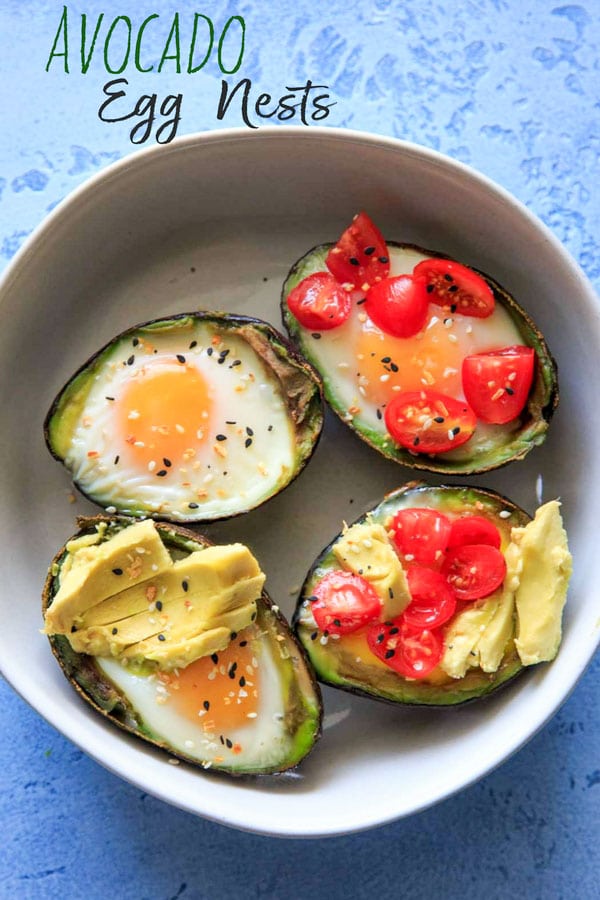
(491, 445)
(210, 673)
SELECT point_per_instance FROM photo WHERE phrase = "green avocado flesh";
(273, 730)
(349, 664)
(195, 418)
(334, 355)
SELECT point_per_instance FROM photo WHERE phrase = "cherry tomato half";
(456, 287)
(428, 422)
(474, 570)
(474, 530)
(497, 384)
(319, 303)
(411, 652)
(398, 305)
(433, 601)
(421, 535)
(360, 258)
(345, 602)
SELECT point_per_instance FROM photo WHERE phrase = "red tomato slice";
(421, 536)
(428, 422)
(345, 602)
(398, 305)
(360, 258)
(411, 652)
(474, 570)
(433, 601)
(319, 303)
(497, 384)
(456, 287)
(474, 530)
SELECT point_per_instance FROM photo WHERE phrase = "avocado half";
(347, 662)
(508, 443)
(301, 712)
(240, 351)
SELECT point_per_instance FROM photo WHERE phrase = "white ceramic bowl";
(215, 221)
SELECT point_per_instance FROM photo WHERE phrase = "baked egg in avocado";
(174, 640)
(194, 418)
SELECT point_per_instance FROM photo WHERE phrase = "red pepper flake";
(92, 454)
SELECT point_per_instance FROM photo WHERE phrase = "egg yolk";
(163, 412)
(223, 693)
(431, 360)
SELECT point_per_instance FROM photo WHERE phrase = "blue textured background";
(509, 87)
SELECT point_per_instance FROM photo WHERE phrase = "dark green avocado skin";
(300, 383)
(534, 421)
(303, 716)
(340, 670)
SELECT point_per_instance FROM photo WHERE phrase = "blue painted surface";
(509, 87)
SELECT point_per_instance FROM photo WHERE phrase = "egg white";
(263, 741)
(237, 475)
(332, 353)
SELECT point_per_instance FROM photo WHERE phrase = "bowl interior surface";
(215, 222)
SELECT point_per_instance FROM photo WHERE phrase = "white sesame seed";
(452, 338)
(505, 513)
(110, 510)
(385, 377)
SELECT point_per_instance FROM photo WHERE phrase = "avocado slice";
(251, 408)
(284, 720)
(491, 446)
(347, 663)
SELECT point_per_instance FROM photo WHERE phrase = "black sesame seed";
(193, 505)
(393, 367)
(314, 635)
(337, 623)
(439, 419)
(221, 437)
(380, 638)
(236, 362)
(167, 462)
(131, 360)
(230, 422)
(180, 358)
(73, 629)
(389, 653)
(353, 261)
(229, 743)
(193, 344)
(394, 630)
(233, 635)
(224, 353)
(325, 633)
(360, 302)
(386, 359)
(316, 336)
(214, 658)
(391, 593)
(135, 342)
(369, 251)
(253, 617)
(448, 277)
(416, 442)
(161, 473)
(222, 739)
(243, 643)
(270, 428)
(159, 605)
(453, 289)
(378, 413)
(114, 631)
(242, 681)
(249, 431)
(206, 705)
(383, 260)
(109, 398)
(231, 673)
(248, 442)
(117, 571)
(209, 352)
(453, 308)
(185, 586)
(430, 288)
(117, 458)
(456, 430)
(161, 637)
(509, 391)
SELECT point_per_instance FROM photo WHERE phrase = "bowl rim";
(67, 724)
